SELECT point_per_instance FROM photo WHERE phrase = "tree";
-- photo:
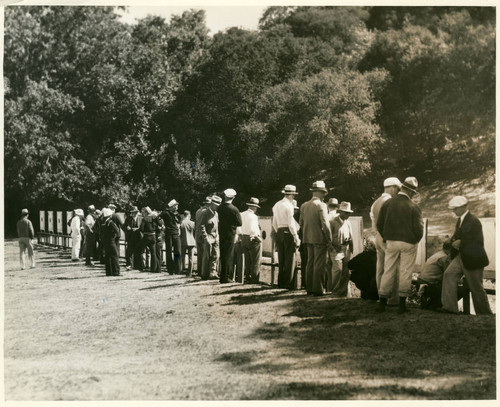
(441, 87)
(320, 128)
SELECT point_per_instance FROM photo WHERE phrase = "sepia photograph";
(255, 201)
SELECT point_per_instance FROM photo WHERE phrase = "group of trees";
(98, 110)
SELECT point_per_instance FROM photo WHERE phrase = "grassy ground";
(71, 333)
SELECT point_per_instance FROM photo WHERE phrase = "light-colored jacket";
(76, 225)
(314, 223)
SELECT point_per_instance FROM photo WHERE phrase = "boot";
(381, 305)
(402, 305)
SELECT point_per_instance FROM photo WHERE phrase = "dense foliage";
(99, 110)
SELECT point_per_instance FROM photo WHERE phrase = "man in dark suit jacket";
(469, 259)
(401, 226)
(229, 220)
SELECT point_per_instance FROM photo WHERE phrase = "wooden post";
(272, 263)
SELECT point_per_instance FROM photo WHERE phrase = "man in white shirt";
(340, 226)
(285, 236)
(90, 236)
(392, 186)
(76, 233)
(250, 240)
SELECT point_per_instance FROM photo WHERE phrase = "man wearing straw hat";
(172, 220)
(132, 237)
(401, 226)
(229, 220)
(250, 241)
(338, 276)
(285, 236)
(197, 233)
(209, 225)
(317, 236)
(26, 234)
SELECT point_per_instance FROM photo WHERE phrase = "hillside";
(433, 199)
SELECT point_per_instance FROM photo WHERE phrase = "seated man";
(430, 280)
(363, 271)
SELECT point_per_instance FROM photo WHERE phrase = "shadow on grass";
(253, 289)
(185, 283)
(348, 391)
(416, 355)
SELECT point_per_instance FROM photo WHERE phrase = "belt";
(148, 233)
(283, 228)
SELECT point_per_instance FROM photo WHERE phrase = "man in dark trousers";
(172, 221)
(198, 235)
(229, 220)
(111, 233)
(401, 226)
(317, 236)
(468, 258)
(285, 235)
(132, 238)
(90, 236)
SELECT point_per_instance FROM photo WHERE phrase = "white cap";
(391, 182)
(106, 212)
(172, 203)
(230, 193)
(457, 202)
(79, 212)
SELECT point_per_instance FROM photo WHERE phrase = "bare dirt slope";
(71, 333)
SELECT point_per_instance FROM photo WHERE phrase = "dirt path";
(71, 333)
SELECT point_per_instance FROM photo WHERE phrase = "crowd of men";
(228, 242)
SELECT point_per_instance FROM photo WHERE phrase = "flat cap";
(391, 182)
(230, 193)
(457, 202)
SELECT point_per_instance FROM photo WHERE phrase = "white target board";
(42, 221)
(489, 240)
(265, 223)
(59, 218)
(50, 218)
(69, 215)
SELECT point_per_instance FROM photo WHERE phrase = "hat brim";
(319, 189)
(346, 211)
(252, 204)
(289, 192)
(409, 188)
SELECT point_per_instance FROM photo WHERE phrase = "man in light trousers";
(392, 186)
(401, 226)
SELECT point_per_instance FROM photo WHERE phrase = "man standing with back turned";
(391, 188)
(26, 234)
(317, 237)
(401, 226)
(229, 220)
(285, 236)
(469, 259)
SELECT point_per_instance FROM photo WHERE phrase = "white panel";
(357, 234)
(59, 222)
(50, 218)
(422, 247)
(42, 221)
(489, 240)
(265, 223)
